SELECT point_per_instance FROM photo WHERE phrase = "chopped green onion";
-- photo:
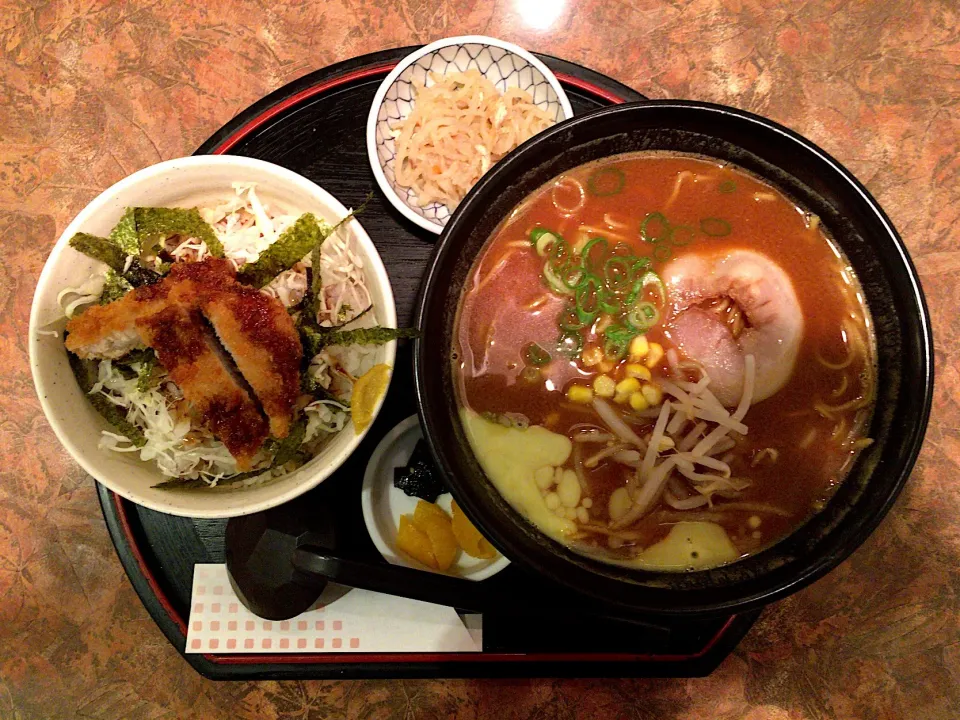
(727, 187)
(610, 303)
(535, 355)
(614, 349)
(655, 221)
(662, 252)
(585, 260)
(545, 243)
(634, 293)
(538, 232)
(569, 319)
(715, 227)
(617, 271)
(681, 235)
(588, 300)
(553, 280)
(643, 316)
(650, 278)
(606, 181)
(570, 344)
(619, 333)
(572, 276)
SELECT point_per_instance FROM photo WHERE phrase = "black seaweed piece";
(315, 340)
(155, 224)
(420, 478)
(137, 275)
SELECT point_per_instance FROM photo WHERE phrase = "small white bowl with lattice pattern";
(504, 64)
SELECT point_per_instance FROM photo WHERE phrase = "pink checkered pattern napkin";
(343, 620)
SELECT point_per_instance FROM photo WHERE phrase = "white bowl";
(503, 63)
(383, 504)
(182, 182)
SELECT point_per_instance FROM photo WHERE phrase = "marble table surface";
(92, 90)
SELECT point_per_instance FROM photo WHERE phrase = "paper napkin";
(343, 620)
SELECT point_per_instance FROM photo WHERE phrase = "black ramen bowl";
(815, 181)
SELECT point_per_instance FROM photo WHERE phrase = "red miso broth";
(664, 362)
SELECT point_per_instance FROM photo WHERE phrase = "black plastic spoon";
(278, 568)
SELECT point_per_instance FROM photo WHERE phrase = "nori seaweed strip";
(156, 223)
(363, 312)
(137, 275)
(114, 287)
(145, 374)
(314, 341)
(85, 373)
(316, 281)
(292, 245)
(125, 233)
(136, 356)
(288, 446)
(106, 251)
(102, 249)
(311, 387)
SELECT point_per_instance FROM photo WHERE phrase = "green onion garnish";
(606, 181)
(681, 235)
(535, 355)
(715, 227)
(655, 228)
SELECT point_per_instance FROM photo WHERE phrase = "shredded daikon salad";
(246, 226)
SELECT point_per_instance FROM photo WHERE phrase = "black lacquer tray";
(315, 126)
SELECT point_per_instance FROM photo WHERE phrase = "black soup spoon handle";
(317, 563)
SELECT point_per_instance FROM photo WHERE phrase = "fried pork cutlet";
(260, 336)
(190, 355)
(109, 331)
(255, 328)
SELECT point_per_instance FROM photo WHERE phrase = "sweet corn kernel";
(606, 366)
(604, 386)
(655, 355)
(638, 402)
(627, 386)
(636, 370)
(639, 347)
(580, 394)
(591, 355)
(652, 393)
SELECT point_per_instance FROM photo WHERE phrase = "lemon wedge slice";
(367, 392)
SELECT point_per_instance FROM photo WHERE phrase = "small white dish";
(183, 182)
(504, 64)
(383, 504)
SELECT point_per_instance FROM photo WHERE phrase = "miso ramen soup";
(664, 362)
